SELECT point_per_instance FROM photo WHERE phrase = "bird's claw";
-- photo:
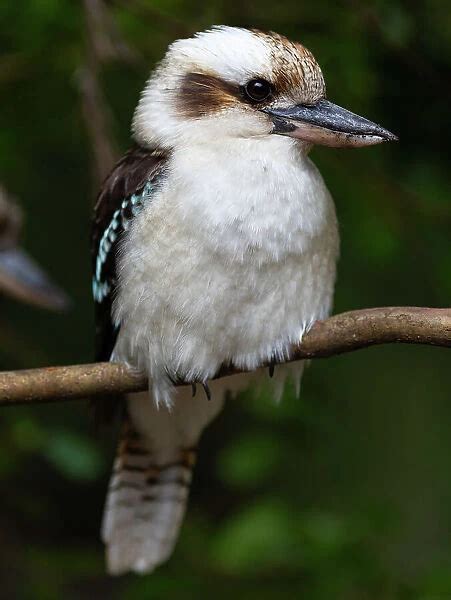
(207, 390)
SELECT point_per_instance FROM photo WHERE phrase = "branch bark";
(341, 333)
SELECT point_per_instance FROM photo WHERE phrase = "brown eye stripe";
(202, 94)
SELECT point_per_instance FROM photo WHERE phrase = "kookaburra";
(20, 276)
(215, 244)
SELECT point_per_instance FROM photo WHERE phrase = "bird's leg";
(271, 369)
(194, 389)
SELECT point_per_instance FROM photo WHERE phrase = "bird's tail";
(145, 504)
(149, 487)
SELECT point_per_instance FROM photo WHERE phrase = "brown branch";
(341, 333)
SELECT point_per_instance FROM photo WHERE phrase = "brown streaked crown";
(294, 68)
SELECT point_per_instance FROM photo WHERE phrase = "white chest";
(231, 262)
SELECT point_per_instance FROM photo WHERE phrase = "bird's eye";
(257, 90)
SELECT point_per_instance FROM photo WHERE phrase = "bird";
(21, 277)
(214, 244)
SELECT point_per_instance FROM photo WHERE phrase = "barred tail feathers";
(145, 505)
(149, 488)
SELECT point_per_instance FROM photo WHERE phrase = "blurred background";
(343, 494)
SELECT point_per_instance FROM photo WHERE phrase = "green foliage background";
(343, 494)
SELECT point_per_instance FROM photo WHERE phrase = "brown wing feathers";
(125, 191)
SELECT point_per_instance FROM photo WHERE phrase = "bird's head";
(232, 82)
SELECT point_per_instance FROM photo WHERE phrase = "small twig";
(103, 36)
(97, 117)
(341, 333)
(103, 44)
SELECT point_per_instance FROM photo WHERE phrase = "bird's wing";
(130, 185)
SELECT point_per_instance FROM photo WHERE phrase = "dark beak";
(327, 124)
(23, 279)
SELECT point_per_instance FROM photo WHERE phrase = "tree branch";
(341, 333)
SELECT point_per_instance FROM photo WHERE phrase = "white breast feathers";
(230, 263)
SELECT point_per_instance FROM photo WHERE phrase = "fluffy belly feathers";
(194, 295)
